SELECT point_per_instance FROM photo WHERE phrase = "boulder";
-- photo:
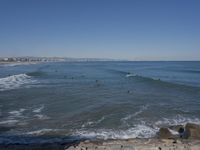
(164, 133)
(192, 131)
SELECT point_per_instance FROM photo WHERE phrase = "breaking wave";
(158, 81)
(15, 81)
(177, 120)
(130, 75)
(139, 131)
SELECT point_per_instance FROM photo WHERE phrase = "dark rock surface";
(164, 133)
(192, 131)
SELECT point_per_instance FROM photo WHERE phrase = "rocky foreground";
(172, 138)
(185, 138)
(138, 144)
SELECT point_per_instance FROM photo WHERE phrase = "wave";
(39, 109)
(176, 120)
(15, 81)
(142, 109)
(139, 131)
(17, 113)
(158, 81)
(42, 131)
(150, 80)
(89, 123)
(9, 122)
(14, 117)
(131, 75)
(136, 76)
(42, 117)
(147, 79)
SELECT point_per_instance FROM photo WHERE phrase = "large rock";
(192, 131)
(164, 133)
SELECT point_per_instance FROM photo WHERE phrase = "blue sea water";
(98, 99)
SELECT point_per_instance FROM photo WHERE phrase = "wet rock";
(181, 132)
(192, 131)
(164, 133)
(176, 127)
(180, 129)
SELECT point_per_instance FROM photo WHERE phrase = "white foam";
(17, 113)
(177, 120)
(130, 75)
(93, 122)
(38, 110)
(142, 109)
(9, 122)
(42, 131)
(139, 131)
(41, 117)
(13, 117)
(142, 130)
(15, 81)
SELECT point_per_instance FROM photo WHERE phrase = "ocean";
(105, 100)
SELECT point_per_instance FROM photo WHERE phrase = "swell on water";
(141, 129)
(138, 131)
(15, 81)
(150, 80)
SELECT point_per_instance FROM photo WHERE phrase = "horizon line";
(100, 59)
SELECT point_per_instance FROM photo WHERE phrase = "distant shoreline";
(18, 63)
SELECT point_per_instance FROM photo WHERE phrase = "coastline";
(128, 144)
(138, 144)
(17, 63)
(187, 139)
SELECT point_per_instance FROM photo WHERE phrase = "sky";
(117, 29)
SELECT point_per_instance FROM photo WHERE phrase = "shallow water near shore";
(98, 99)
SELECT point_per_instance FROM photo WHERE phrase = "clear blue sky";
(122, 29)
